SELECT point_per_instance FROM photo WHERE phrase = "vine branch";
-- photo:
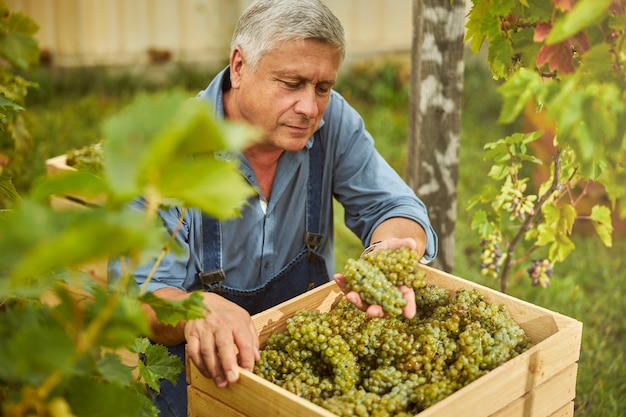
(528, 222)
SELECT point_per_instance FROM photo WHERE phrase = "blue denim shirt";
(257, 245)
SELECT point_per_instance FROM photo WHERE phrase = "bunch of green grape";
(356, 365)
(377, 275)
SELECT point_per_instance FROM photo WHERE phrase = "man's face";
(287, 94)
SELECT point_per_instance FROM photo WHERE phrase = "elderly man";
(284, 60)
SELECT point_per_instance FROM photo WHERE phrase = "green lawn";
(65, 113)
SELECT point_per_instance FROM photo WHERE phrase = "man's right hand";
(222, 340)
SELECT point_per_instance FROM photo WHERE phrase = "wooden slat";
(546, 399)
(57, 165)
(274, 320)
(253, 396)
(566, 411)
(201, 404)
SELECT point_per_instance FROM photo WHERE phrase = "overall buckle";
(212, 280)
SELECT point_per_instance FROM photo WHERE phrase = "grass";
(65, 113)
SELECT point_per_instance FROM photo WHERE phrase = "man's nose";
(306, 103)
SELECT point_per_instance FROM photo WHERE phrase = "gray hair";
(266, 22)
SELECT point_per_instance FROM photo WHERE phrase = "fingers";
(374, 310)
(219, 343)
(248, 349)
(203, 350)
(224, 369)
(340, 280)
(410, 309)
(193, 351)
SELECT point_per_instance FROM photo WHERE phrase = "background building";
(131, 32)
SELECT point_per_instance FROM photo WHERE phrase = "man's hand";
(215, 342)
(375, 310)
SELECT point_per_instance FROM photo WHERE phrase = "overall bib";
(306, 271)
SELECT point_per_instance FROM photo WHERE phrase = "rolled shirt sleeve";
(369, 189)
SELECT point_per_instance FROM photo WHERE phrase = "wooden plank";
(201, 404)
(566, 411)
(269, 399)
(58, 165)
(546, 399)
(274, 320)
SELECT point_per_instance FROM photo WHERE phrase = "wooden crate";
(541, 382)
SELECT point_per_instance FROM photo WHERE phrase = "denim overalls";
(307, 270)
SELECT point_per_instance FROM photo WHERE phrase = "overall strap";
(313, 236)
(212, 273)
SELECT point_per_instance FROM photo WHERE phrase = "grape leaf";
(542, 30)
(560, 56)
(8, 192)
(139, 345)
(517, 92)
(81, 184)
(584, 14)
(560, 218)
(165, 131)
(124, 323)
(173, 311)
(36, 239)
(111, 367)
(6, 103)
(89, 397)
(159, 364)
(28, 327)
(561, 248)
(481, 223)
(602, 223)
(17, 44)
(215, 187)
(478, 13)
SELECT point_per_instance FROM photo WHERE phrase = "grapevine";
(356, 365)
(557, 59)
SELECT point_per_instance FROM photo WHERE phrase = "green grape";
(373, 286)
(356, 365)
(400, 266)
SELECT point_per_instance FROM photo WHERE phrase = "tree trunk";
(435, 115)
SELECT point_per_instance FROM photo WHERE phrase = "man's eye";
(291, 85)
(323, 90)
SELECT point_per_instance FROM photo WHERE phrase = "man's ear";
(237, 64)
